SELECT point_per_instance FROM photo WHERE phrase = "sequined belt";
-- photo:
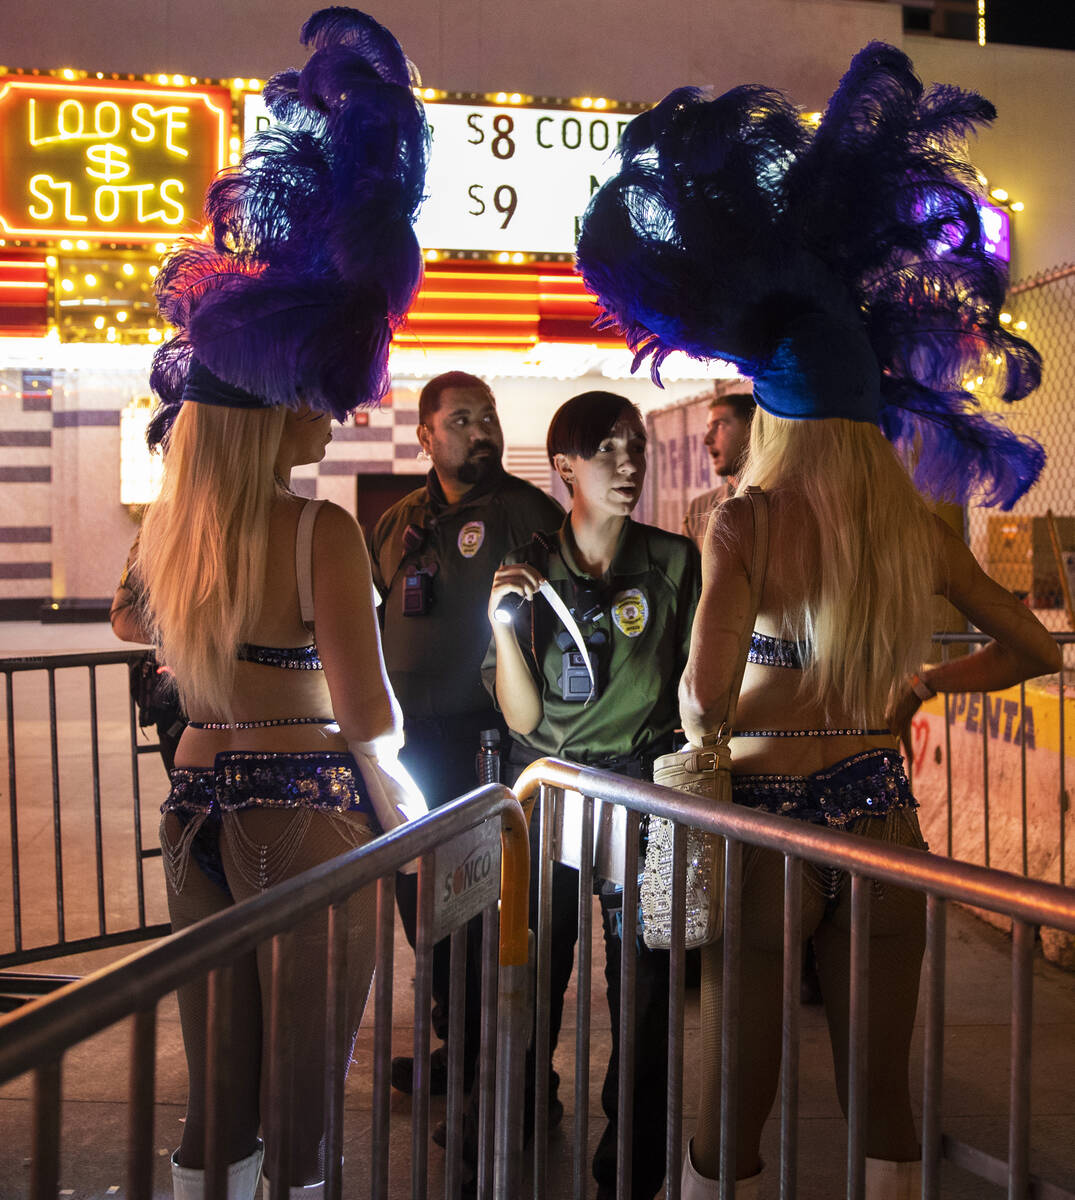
(245, 779)
(872, 783)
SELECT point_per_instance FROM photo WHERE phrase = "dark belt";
(634, 766)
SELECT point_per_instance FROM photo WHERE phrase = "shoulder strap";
(304, 551)
(758, 564)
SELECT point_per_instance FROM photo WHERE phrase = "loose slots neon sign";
(107, 161)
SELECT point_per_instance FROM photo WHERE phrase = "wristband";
(920, 688)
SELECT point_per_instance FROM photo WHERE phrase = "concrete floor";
(975, 1102)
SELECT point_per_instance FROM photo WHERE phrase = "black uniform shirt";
(434, 661)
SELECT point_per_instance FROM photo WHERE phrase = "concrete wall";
(627, 49)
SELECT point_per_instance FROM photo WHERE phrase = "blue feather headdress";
(844, 268)
(311, 260)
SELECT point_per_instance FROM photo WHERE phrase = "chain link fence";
(1031, 550)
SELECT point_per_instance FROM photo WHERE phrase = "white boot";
(311, 1191)
(693, 1186)
(189, 1184)
(888, 1180)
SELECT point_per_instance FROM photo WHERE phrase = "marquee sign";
(511, 177)
(108, 161)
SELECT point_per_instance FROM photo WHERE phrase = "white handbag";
(700, 771)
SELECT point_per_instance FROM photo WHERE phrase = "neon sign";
(506, 177)
(996, 231)
(109, 161)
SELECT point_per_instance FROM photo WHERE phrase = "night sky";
(1031, 23)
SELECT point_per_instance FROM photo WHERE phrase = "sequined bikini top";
(291, 658)
(774, 652)
(294, 658)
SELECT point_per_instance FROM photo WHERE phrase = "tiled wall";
(26, 472)
(64, 535)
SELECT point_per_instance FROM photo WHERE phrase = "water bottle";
(487, 763)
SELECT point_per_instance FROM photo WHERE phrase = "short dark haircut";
(742, 402)
(429, 400)
(580, 425)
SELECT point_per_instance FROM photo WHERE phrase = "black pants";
(440, 753)
(650, 1033)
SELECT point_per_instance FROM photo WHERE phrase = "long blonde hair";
(204, 544)
(865, 618)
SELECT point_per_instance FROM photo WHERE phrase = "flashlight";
(507, 608)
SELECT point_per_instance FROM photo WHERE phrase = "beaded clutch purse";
(704, 771)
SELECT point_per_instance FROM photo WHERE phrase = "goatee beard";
(476, 470)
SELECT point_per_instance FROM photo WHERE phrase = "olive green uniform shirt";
(434, 661)
(646, 609)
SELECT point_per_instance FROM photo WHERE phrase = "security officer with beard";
(434, 554)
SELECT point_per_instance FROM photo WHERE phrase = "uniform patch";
(630, 612)
(471, 537)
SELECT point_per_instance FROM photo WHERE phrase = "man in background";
(727, 435)
(433, 555)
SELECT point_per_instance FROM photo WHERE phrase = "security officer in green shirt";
(632, 590)
(433, 556)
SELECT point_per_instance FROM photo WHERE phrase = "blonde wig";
(865, 617)
(203, 546)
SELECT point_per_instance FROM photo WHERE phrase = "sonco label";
(467, 877)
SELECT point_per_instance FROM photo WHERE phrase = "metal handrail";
(79, 658)
(43, 1029)
(984, 887)
(975, 638)
(1028, 902)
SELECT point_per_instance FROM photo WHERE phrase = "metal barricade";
(37, 1037)
(73, 769)
(1027, 902)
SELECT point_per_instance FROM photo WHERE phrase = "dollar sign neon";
(111, 159)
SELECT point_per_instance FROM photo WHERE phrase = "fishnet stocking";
(897, 942)
(289, 842)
